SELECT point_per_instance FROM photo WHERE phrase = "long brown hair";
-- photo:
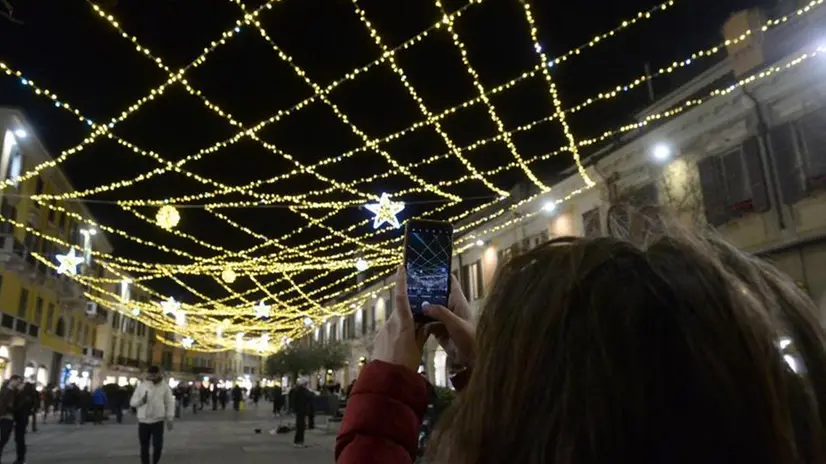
(603, 351)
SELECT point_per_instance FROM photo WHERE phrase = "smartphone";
(428, 249)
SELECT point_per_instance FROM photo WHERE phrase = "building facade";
(48, 330)
(749, 161)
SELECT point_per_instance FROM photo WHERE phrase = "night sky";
(65, 46)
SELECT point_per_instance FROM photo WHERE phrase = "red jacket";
(383, 416)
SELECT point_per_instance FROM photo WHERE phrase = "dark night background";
(64, 46)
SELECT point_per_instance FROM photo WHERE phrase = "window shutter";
(787, 163)
(813, 128)
(757, 181)
(591, 224)
(713, 193)
(734, 177)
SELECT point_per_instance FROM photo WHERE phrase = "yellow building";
(48, 331)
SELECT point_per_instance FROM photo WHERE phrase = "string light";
(311, 300)
(559, 111)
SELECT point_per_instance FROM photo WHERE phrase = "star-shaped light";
(170, 306)
(187, 342)
(136, 311)
(180, 318)
(69, 262)
(262, 310)
(385, 211)
(308, 321)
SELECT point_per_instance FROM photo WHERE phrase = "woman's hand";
(399, 341)
(456, 331)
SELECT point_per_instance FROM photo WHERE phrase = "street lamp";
(662, 152)
(549, 206)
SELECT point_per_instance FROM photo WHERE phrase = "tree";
(334, 355)
(293, 361)
(304, 359)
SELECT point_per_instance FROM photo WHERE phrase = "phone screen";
(428, 256)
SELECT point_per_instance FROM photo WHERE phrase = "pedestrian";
(155, 404)
(214, 392)
(277, 400)
(99, 401)
(237, 396)
(223, 398)
(300, 398)
(23, 404)
(8, 395)
(48, 401)
(118, 402)
(36, 402)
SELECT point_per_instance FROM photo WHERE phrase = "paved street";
(206, 438)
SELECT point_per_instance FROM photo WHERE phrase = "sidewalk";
(209, 437)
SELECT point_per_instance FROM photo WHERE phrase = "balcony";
(92, 356)
(96, 314)
(12, 252)
(129, 362)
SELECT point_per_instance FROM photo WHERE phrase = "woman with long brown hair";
(603, 351)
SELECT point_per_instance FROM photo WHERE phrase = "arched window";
(60, 329)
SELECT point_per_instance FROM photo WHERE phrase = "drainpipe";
(770, 172)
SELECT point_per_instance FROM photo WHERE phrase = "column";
(17, 359)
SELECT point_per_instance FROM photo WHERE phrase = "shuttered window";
(733, 184)
(812, 131)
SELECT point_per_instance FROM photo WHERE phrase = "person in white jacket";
(156, 405)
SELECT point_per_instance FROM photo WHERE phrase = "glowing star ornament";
(187, 342)
(228, 275)
(69, 262)
(167, 217)
(262, 310)
(385, 211)
(136, 312)
(308, 321)
(180, 318)
(170, 306)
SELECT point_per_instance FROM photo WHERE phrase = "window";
(52, 212)
(475, 281)
(733, 184)
(23, 303)
(540, 238)
(49, 316)
(61, 221)
(60, 330)
(71, 331)
(8, 211)
(464, 281)
(94, 339)
(38, 311)
(39, 186)
(15, 163)
(591, 223)
(115, 320)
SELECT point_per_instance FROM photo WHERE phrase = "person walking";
(99, 401)
(300, 398)
(155, 405)
(8, 395)
(23, 405)
(36, 402)
(277, 400)
(237, 396)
